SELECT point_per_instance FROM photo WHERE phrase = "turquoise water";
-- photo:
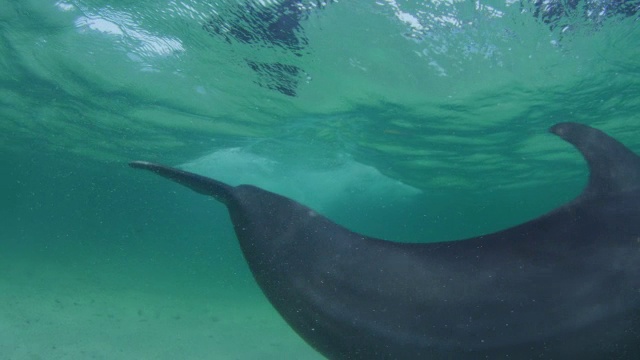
(412, 121)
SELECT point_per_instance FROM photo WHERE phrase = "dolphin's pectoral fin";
(203, 185)
(613, 167)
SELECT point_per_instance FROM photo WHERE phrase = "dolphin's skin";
(563, 286)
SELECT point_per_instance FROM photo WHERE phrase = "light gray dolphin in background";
(563, 286)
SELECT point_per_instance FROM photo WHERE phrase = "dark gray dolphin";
(563, 286)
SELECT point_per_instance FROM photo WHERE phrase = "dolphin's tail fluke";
(198, 183)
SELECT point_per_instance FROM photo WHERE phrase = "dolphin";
(562, 286)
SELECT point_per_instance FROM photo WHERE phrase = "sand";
(56, 308)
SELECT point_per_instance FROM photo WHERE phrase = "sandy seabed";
(79, 310)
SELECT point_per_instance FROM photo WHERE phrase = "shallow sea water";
(408, 120)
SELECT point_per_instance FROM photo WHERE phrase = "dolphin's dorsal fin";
(613, 168)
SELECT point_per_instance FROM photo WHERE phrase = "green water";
(412, 121)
